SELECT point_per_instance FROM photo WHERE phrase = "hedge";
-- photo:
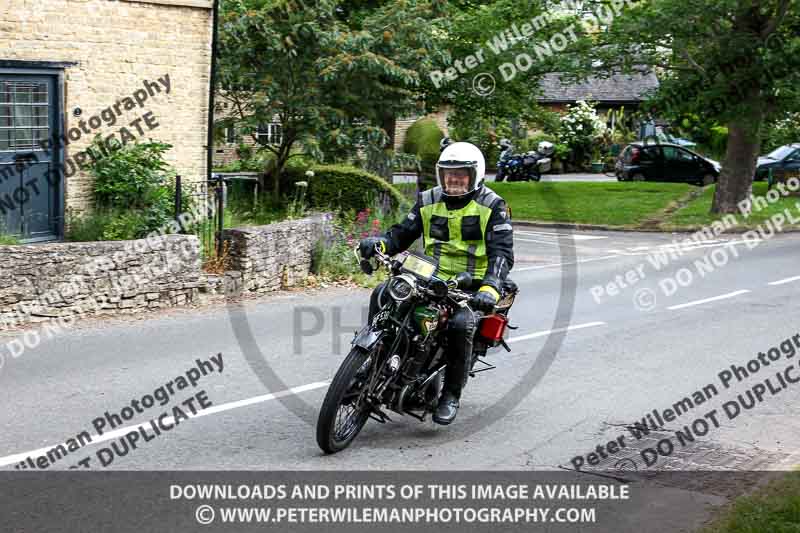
(423, 139)
(345, 187)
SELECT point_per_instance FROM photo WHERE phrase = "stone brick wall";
(275, 256)
(117, 45)
(43, 282)
(40, 282)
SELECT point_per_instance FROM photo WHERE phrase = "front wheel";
(345, 409)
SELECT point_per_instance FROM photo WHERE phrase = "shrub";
(581, 129)
(133, 193)
(532, 142)
(8, 239)
(719, 139)
(344, 187)
(783, 131)
(333, 255)
(422, 139)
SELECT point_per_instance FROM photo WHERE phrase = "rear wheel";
(345, 409)
(638, 177)
(708, 179)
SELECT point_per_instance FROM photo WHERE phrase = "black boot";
(447, 409)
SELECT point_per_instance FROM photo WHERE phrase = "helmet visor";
(456, 178)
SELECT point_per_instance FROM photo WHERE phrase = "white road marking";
(782, 281)
(120, 432)
(713, 299)
(577, 237)
(537, 267)
(551, 243)
(557, 330)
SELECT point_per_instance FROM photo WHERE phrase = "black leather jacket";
(499, 236)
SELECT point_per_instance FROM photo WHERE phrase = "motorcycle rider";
(467, 228)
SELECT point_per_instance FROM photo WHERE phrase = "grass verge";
(774, 508)
(613, 204)
(696, 213)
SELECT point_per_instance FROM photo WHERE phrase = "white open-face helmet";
(461, 155)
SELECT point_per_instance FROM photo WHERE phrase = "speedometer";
(419, 266)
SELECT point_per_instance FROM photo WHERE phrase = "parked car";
(779, 161)
(665, 162)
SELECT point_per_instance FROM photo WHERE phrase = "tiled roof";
(616, 88)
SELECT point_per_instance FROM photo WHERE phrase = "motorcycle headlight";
(401, 288)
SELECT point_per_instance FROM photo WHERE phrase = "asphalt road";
(611, 363)
(490, 176)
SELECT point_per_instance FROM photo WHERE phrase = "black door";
(650, 162)
(29, 206)
(791, 165)
(679, 165)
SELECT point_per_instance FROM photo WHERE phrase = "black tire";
(638, 177)
(708, 179)
(346, 378)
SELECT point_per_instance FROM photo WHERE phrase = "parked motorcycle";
(523, 167)
(397, 362)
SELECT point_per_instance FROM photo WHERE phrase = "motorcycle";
(523, 167)
(397, 361)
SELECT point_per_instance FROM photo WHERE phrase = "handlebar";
(387, 262)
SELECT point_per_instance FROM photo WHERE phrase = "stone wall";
(116, 46)
(40, 282)
(276, 256)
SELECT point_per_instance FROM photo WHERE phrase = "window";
(676, 154)
(270, 133)
(230, 135)
(23, 115)
(650, 153)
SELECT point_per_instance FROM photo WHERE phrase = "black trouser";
(460, 335)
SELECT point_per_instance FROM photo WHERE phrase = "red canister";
(492, 327)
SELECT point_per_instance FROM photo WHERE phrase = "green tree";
(333, 74)
(736, 62)
(485, 109)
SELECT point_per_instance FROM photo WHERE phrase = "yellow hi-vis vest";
(457, 238)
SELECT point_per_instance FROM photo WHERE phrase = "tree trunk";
(280, 163)
(736, 179)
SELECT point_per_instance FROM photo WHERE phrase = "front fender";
(367, 337)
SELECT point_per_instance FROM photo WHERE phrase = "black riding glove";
(367, 246)
(485, 299)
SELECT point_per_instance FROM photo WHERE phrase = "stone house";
(74, 69)
(612, 92)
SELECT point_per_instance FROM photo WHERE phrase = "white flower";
(301, 183)
(309, 174)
